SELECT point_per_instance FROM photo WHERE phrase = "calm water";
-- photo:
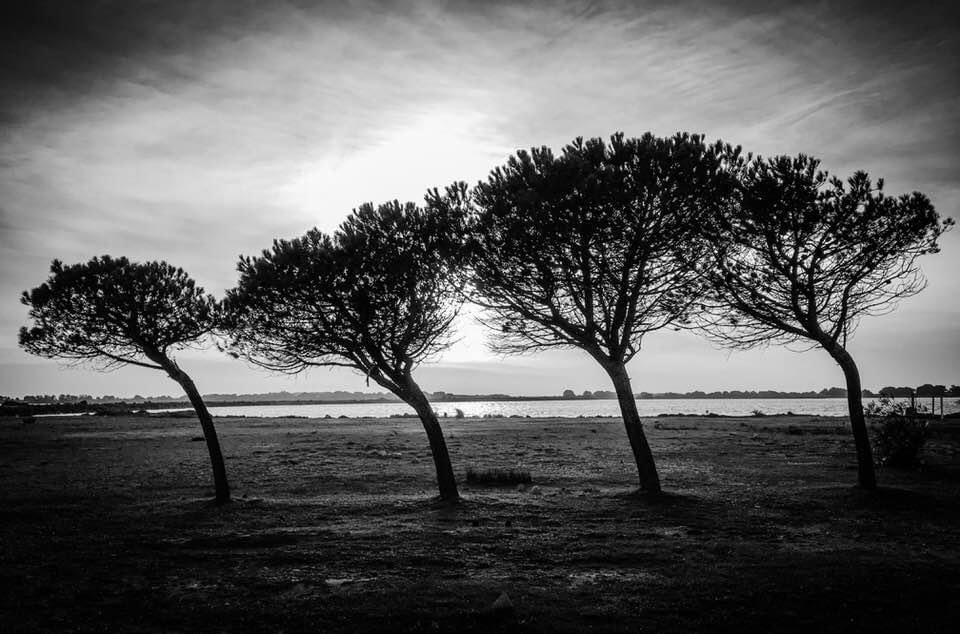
(567, 409)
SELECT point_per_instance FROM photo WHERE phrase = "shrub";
(899, 436)
(498, 477)
(459, 412)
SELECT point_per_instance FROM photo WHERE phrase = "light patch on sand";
(592, 577)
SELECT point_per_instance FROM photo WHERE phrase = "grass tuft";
(498, 477)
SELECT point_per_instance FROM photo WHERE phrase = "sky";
(195, 132)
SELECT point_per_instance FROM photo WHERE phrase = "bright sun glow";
(431, 150)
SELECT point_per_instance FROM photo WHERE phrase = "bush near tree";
(899, 435)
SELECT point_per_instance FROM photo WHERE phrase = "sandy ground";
(106, 526)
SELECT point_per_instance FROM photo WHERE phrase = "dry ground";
(105, 526)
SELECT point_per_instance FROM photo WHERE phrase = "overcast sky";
(198, 131)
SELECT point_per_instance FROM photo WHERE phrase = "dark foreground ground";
(105, 526)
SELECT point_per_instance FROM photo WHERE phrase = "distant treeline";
(830, 392)
(267, 397)
(13, 407)
(827, 392)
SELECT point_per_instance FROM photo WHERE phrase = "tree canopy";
(804, 256)
(579, 250)
(378, 296)
(113, 312)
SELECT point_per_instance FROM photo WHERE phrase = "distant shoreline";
(83, 406)
(470, 399)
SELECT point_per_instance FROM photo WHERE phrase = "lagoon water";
(565, 409)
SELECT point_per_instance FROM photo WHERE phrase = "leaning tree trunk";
(209, 431)
(866, 477)
(646, 467)
(446, 481)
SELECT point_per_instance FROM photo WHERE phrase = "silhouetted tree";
(895, 392)
(115, 312)
(832, 392)
(379, 296)
(802, 257)
(579, 251)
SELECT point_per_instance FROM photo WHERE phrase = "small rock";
(503, 604)
(298, 590)
(536, 490)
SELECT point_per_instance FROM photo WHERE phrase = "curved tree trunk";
(866, 476)
(438, 446)
(646, 467)
(220, 484)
